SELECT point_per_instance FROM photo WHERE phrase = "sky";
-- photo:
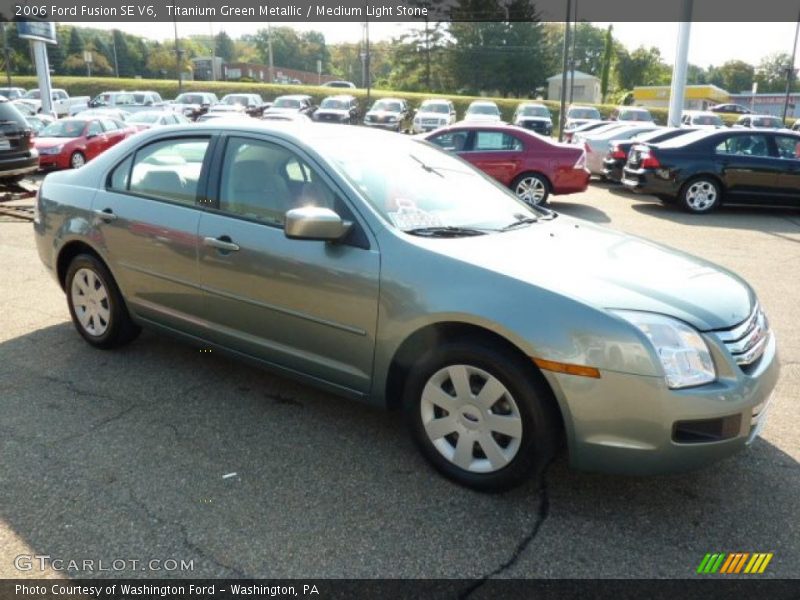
(711, 43)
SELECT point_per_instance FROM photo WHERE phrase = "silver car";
(596, 143)
(383, 269)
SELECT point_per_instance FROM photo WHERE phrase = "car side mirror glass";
(315, 223)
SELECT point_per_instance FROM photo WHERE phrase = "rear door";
(496, 153)
(306, 306)
(96, 139)
(146, 220)
(750, 171)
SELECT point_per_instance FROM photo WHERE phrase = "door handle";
(221, 243)
(106, 215)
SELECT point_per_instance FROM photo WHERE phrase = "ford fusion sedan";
(337, 109)
(432, 114)
(580, 115)
(483, 111)
(71, 143)
(532, 166)
(534, 116)
(703, 170)
(389, 113)
(382, 269)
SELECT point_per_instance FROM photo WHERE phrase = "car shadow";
(579, 210)
(161, 450)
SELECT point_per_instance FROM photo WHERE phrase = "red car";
(530, 165)
(70, 143)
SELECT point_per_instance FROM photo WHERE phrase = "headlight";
(683, 352)
(51, 150)
(392, 119)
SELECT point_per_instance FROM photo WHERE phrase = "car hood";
(280, 109)
(484, 118)
(340, 112)
(49, 142)
(431, 115)
(609, 269)
(533, 119)
(383, 113)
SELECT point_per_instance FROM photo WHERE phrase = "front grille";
(747, 341)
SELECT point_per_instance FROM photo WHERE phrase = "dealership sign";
(42, 31)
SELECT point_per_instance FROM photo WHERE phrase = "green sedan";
(383, 269)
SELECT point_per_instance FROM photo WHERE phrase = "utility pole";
(269, 51)
(213, 51)
(369, 78)
(678, 88)
(114, 48)
(572, 53)
(562, 117)
(790, 72)
(6, 52)
(427, 55)
(178, 56)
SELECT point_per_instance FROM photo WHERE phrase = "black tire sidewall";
(539, 424)
(120, 328)
(685, 190)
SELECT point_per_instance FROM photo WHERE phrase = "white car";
(580, 115)
(483, 111)
(62, 104)
(701, 120)
(433, 114)
(597, 146)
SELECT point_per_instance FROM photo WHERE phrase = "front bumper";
(48, 162)
(17, 165)
(381, 125)
(623, 423)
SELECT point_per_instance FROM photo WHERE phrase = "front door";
(749, 171)
(306, 306)
(788, 150)
(496, 153)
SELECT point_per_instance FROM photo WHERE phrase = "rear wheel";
(531, 188)
(700, 195)
(96, 305)
(480, 417)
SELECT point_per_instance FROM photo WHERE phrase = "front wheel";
(480, 417)
(77, 160)
(531, 188)
(96, 305)
(700, 195)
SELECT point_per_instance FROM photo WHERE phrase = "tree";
(75, 45)
(771, 72)
(125, 61)
(643, 66)
(418, 60)
(734, 76)
(608, 53)
(161, 60)
(224, 47)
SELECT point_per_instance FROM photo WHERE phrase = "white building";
(586, 90)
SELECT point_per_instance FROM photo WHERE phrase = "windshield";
(583, 113)
(190, 99)
(707, 120)
(387, 106)
(143, 118)
(534, 111)
(287, 103)
(414, 185)
(235, 100)
(333, 103)
(772, 122)
(435, 107)
(483, 109)
(67, 128)
(635, 115)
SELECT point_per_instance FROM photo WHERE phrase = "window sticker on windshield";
(408, 216)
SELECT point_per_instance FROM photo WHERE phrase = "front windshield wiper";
(426, 167)
(519, 223)
(446, 231)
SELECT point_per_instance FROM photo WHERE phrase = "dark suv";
(17, 156)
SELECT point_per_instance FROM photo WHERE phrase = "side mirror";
(91, 135)
(315, 223)
(149, 103)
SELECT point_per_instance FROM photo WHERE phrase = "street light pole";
(790, 72)
(6, 52)
(678, 88)
(178, 56)
(572, 53)
(562, 117)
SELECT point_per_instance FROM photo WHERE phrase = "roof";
(578, 75)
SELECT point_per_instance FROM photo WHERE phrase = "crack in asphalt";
(541, 517)
(184, 535)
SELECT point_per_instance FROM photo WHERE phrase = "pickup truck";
(63, 105)
(128, 101)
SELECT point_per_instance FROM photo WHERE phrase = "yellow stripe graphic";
(741, 562)
(765, 563)
(751, 564)
(757, 565)
(727, 563)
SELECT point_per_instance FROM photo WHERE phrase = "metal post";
(269, 49)
(43, 75)
(562, 117)
(178, 56)
(572, 53)
(678, 88)
(790, 73)
(366, 62)
(213, 51)
(6, 52)
(427, 55)
(114, 47)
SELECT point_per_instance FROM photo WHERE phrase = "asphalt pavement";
(162, 452)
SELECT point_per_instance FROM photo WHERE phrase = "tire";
(521, 405)
(100, 317)
(700, 195)
(77, 160)
(531, 188)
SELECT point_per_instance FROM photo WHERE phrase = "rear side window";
(166, 170)
(9, 112)
(496, 141)
(451, 141)
(788, 146)
(744, 145)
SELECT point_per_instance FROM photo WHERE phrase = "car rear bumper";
(571, 181)
(16, 166)
(647, 181)
(631, 424)
(612, 169)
